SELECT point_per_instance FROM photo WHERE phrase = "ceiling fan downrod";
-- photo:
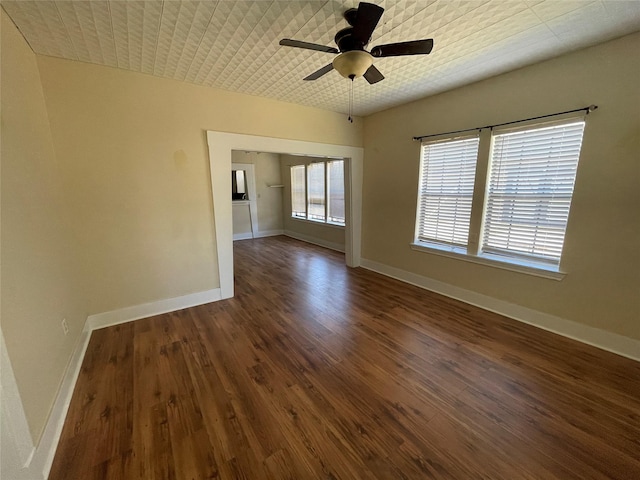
(350, 118)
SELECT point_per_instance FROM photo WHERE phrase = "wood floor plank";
(318, 371)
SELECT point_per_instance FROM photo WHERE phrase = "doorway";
(244, 201)
(221, 144)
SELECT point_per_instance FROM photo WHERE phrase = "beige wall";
(136, 147)
(601, 255)
(270, 217)
(41, 277)
(329, 235)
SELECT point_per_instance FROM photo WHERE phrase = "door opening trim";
(220, 146)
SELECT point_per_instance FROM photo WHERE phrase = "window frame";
(473, 252)
(514, 255)
(433, 242)
(328, 200)
(306, 218)
(304, 176)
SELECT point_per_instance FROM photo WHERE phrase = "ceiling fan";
(353, 60)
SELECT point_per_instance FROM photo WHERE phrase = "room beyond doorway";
(221, 145)
(299, 196)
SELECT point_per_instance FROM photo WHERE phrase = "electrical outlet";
(65, 327)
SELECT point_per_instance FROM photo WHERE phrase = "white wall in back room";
(268, 192)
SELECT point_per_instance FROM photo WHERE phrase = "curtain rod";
(588, 110)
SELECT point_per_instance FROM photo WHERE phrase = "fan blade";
(318, 73)
(415, 47)
(367, 18)
(287, 42)
(373, 75)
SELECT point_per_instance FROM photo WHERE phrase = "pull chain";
(351, 102)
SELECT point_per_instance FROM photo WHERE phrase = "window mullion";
(306, 192)
(326, 191)
(479, 192)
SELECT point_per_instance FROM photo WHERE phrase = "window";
(238, 185)
(521, 217)
(298, 192)
(315, 199)
(529, 192)
(446, 191)
(335, 186)
(317, 192)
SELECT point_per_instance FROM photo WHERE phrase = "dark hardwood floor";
(315, 370)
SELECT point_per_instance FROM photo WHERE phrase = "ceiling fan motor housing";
(351, 15)
(346, 41)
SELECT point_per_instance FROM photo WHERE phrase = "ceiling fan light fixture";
(352, 64)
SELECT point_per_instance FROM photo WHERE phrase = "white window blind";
(335, 187)
(315, 198)
(298, 192)
(317, 192)
(532, 173)
(446, 191)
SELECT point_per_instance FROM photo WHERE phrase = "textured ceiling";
(233, 45)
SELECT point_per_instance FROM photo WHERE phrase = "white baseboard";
(34, 463)
(46, 450)
(261, 234)
(136, 312)
(612, 342)
(16, 444)
(268, 233)
(315, 241)
(242, 236)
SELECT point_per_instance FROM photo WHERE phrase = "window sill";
(459, 253)
(317, 222)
